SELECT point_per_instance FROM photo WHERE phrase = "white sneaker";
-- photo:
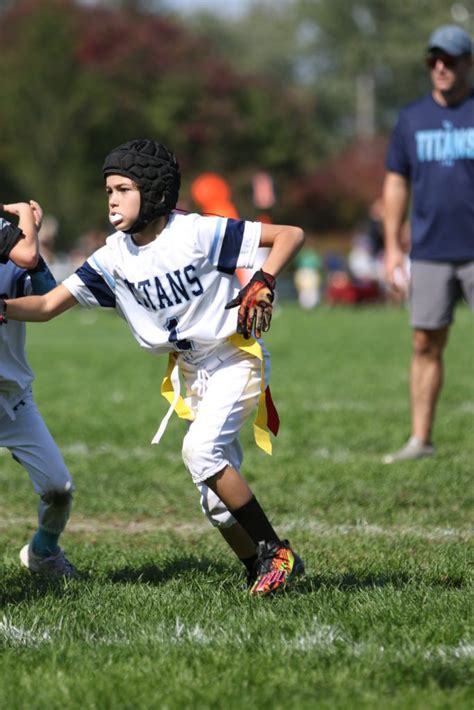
(55, 566)
(413, 449)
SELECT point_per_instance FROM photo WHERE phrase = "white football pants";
(222, 391)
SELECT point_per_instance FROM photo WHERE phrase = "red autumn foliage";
(343, 187)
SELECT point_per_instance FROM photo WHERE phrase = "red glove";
(255, 303)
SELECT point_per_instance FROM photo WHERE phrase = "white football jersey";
(172, 292)
(16, 375)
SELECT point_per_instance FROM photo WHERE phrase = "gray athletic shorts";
(435, 288)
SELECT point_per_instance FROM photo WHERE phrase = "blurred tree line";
(305, 89)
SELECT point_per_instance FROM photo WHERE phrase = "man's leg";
(426, 379)
(434, 289)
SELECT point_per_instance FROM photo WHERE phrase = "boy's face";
(124, 201)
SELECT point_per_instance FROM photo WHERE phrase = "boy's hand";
(37, 212)
(12, 208)
(255, 303)
(16, 207)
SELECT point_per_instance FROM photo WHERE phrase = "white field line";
(464, 649)
(336, 455)
(317, 637)
(146, 452)
(334, 405)
(22, 637)
(362, 527)
(321, 529)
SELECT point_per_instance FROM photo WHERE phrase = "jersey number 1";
(172, 326)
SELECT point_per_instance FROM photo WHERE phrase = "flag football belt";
(266, 419)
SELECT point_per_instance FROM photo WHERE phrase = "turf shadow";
(22, 586)
(353, 582)
(171, 569)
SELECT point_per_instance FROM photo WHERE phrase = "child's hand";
(16, 208)
(37, 213)
(13, 208)
(255, 303)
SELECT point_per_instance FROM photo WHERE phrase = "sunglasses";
(448, 60)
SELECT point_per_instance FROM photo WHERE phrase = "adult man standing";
(431, 157)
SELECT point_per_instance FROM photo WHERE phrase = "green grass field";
(383, 615)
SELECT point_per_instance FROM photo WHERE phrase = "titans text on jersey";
(172, 291)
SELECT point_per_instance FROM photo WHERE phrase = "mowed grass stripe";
(138, 527)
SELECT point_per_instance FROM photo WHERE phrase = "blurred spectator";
(263, 192)
(355, 282)
(59, 264)
(341, 289)
(86, 245)
(308, 278)
(361, 260)
(334, 262)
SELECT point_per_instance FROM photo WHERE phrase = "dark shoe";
(54, 567)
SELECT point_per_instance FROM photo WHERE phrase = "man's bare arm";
(396, 193)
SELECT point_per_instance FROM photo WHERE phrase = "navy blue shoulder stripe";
(231, 245)
(20, 284)
(96, 285)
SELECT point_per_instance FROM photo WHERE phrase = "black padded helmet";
(156, 172)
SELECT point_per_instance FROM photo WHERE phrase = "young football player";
(171, 276)
(22, 429)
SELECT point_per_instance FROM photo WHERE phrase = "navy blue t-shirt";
(433, 147)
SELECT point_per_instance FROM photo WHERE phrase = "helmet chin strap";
(143, 220)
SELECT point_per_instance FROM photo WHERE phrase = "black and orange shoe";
(276, 565)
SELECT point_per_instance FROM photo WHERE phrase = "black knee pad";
(58, 499)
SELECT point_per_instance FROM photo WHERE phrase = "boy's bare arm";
(39, 308)
(255, 300)
(284, 242)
